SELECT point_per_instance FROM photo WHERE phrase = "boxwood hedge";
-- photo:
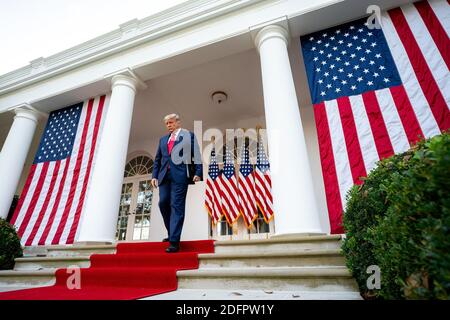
(10, 247)
(399, 220)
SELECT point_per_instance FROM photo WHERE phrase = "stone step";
(271, 278)
(68, 250)
(231, 294)
(294, 244)
(27, 279)
(281, 258)
(236, 260)
(40, 263)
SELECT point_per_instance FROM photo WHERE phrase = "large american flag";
(376, 91)
(246, 188)
(263, 183)
(228, 189)
(51, 203)
(213, 201)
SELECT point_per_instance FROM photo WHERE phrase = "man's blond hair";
(172, 116)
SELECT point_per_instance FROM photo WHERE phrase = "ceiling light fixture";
(219, 97)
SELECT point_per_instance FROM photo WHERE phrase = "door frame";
(134, 194)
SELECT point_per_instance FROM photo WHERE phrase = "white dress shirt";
(175, 133)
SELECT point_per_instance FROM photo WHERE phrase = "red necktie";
(171, 142)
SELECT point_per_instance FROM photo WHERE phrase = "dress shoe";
(174, 247)
(165, 240)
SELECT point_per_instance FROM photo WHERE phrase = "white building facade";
(172, 62)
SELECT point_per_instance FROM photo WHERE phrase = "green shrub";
(10, 247)
(399, 219)
(366, 204)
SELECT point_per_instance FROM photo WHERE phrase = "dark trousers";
(172, 203)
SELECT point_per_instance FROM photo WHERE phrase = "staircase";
(310, 267)
(38, 265)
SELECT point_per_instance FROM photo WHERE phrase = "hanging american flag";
(213, 199)
(51, 203)
(228, 189)
(246, 188)
(263, 183)
(376, 91)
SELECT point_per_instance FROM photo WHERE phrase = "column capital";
(126, 77)
(277, 28)
(270, 32)
(25, 110)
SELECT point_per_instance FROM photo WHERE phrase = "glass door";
(124, 211)
(135, 209)
(141, 223)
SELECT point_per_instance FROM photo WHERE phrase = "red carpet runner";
(135, 271)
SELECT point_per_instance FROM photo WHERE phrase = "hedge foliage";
(399, 219)
(10, 247)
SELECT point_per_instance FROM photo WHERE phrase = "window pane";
(124, 222)
(263, 226)
(124, 209)
(224, 228)
(138, 221)
(146, 221)
(122, 234)
(138, 166)
(128, 187)
(145, 234)
(139, 209)
(137, 234)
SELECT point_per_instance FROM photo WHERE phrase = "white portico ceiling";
(188, 92)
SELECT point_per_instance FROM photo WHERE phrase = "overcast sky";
(30, 29)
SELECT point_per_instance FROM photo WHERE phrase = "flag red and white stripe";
(263, 184)
(51, 204)
(246, 189)
(213, 201)
(356, 131)
(229, 189)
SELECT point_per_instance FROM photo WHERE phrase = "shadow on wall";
(12, 208)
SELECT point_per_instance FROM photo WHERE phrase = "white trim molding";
(128, 76)
(31, 112)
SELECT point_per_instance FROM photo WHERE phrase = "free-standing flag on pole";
(213, 201)
(263, 183)
(246, 188)
(228, 189)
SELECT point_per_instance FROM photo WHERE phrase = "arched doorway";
(136, 200)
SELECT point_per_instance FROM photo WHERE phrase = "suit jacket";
(184, 160)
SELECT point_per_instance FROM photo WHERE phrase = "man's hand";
(154, 183)
(196, 178)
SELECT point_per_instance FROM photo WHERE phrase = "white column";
(102, 206)
(14, 153)
(294, 201)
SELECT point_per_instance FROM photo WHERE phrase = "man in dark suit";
(173, 171)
